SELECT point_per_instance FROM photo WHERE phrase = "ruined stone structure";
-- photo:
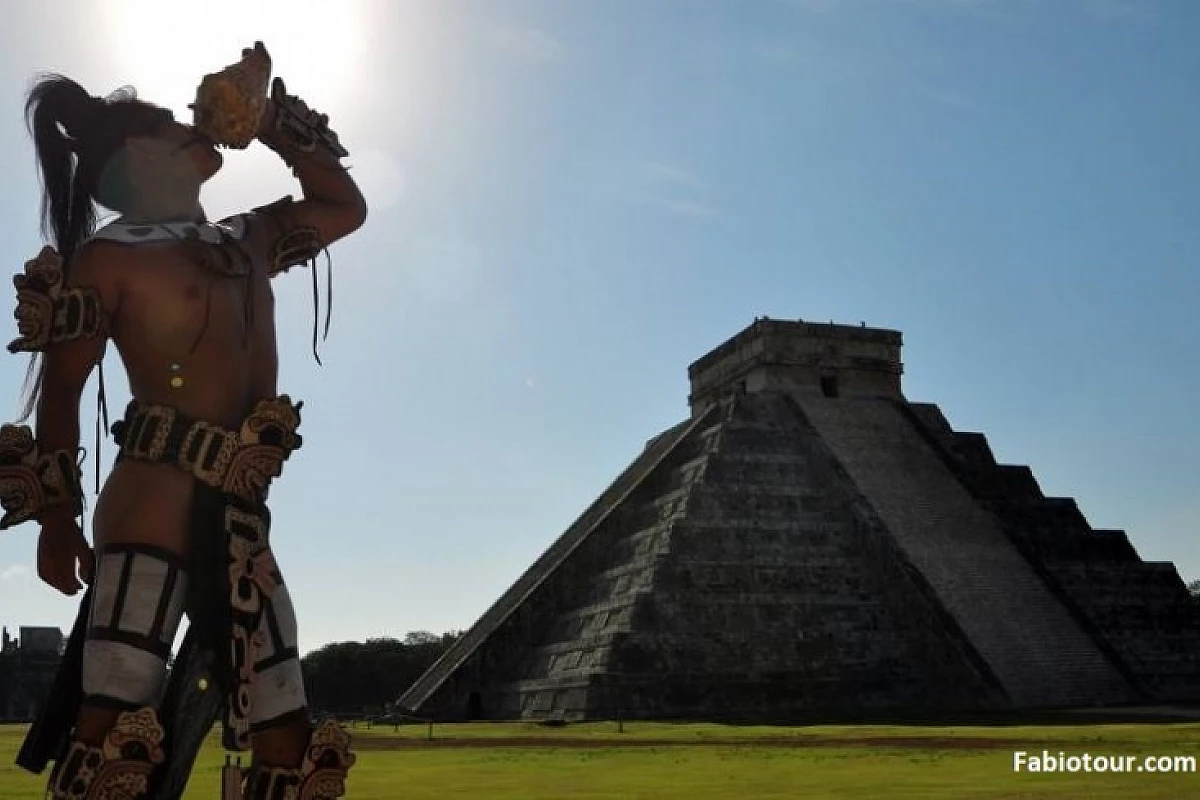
(27, 668)
(809, 541)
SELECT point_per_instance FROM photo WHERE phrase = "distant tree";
(416, 638)
(1194, 588)
(366, 677)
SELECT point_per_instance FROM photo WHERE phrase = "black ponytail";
(60, 114)
(74, 135)
(57, 111)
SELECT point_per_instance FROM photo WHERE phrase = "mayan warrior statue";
(181, 525)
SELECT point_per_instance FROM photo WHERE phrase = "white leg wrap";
(137, 606)
(278, 688)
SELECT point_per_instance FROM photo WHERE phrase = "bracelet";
(300, 128)
(32, 482)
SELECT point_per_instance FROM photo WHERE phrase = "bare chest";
(177, 305)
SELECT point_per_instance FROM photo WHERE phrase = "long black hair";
(75, 135)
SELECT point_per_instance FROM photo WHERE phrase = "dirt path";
(364, 743)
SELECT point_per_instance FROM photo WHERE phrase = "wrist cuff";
(31, 482)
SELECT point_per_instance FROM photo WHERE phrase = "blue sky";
(573, 201)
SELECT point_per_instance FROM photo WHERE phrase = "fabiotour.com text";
(1025, 761)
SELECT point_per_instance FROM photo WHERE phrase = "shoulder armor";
(234, 226)
(48, 312)
(294, 245)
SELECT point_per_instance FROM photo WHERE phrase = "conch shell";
(230, 104)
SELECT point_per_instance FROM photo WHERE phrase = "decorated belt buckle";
(162, 418)
(214, 449)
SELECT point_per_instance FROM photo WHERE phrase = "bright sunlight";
(166, 48)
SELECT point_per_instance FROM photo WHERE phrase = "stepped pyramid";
(810, 541)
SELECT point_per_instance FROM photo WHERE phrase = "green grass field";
(686, 762)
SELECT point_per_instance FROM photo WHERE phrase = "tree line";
(366, 678)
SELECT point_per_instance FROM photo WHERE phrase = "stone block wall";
(779, 597)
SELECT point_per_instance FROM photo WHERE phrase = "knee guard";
(140, 592)
(121, 767)
(320, 776)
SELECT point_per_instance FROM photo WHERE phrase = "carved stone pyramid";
(810, 541)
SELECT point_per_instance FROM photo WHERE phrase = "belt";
(241, 462)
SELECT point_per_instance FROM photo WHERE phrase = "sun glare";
(164, 49)
(341, 58)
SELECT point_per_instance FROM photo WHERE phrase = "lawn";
(686, 762)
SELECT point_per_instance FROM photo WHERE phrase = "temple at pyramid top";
(809, 542)
(800, 358)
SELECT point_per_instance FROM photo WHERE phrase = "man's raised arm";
(332, 206)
